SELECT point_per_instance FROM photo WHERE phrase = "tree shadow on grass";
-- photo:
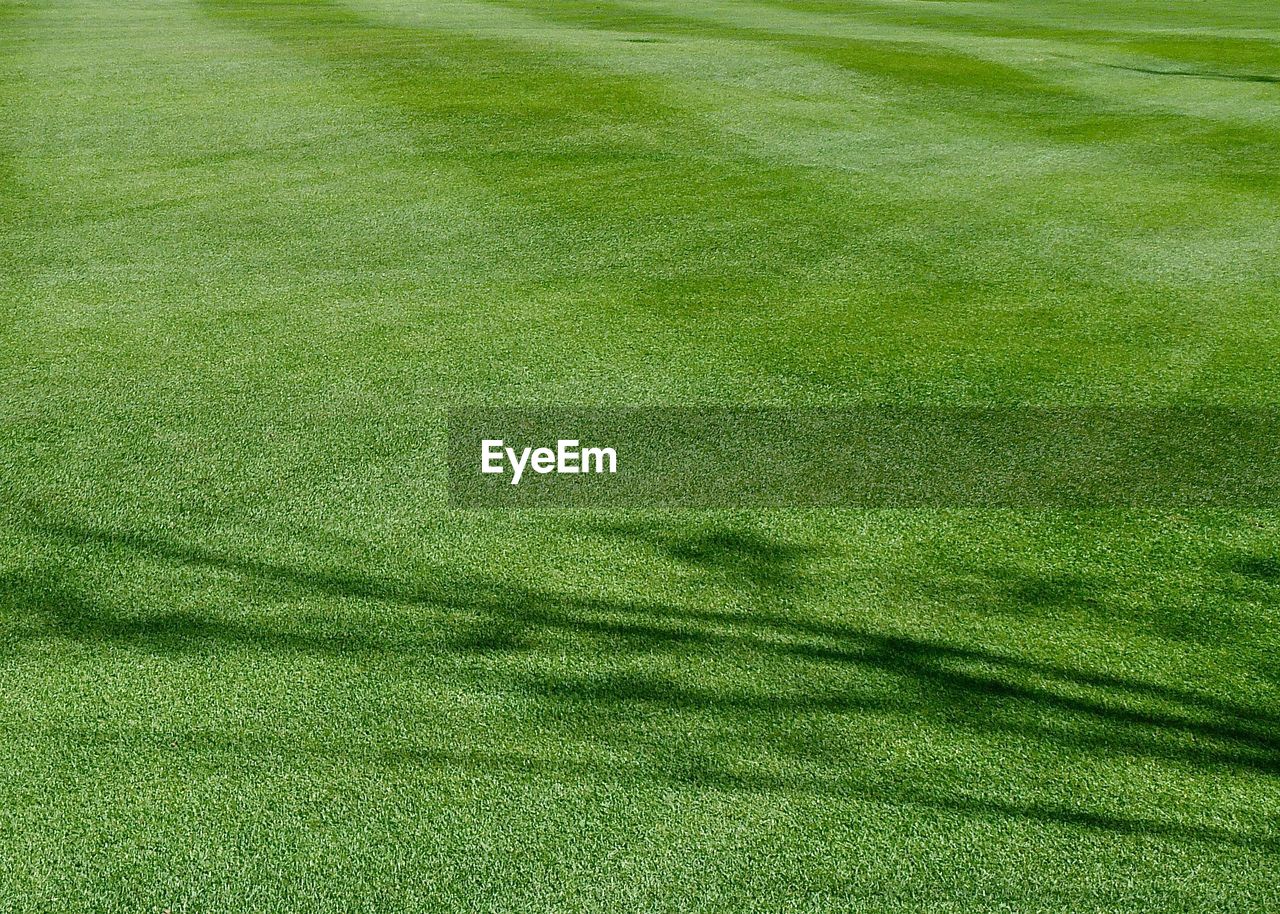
(708, 776)
(849, 670)
(1263, 568)
(1199, 74)
(45, 606)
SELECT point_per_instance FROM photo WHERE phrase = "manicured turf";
(249, 252)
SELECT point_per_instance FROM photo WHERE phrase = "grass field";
(250, 250)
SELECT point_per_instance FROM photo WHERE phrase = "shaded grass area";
(854, 694)
(971, 687)
(742, 690)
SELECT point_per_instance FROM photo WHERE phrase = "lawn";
(252, 251)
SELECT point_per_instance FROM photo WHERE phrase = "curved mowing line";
(911, 57)
(959, 92)
(579, 153)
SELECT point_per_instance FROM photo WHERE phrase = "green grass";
(250, 251)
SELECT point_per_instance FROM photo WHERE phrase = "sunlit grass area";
(252, 250)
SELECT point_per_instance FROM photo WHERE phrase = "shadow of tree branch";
(870, 672)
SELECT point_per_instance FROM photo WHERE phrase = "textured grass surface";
(249, 250)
